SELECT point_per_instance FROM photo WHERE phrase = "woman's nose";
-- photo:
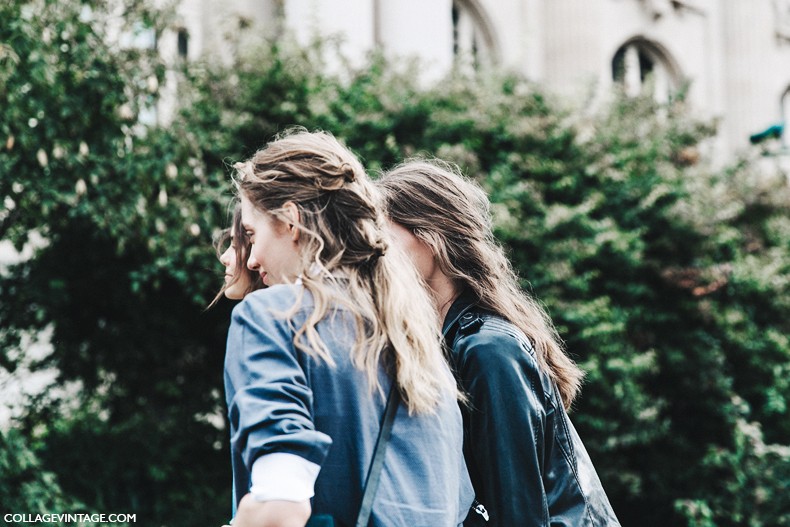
(224, 258)
(252, 263)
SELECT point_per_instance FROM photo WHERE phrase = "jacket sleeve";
(504, 426)
(269, 399)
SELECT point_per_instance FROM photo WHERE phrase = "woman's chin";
(232, 293)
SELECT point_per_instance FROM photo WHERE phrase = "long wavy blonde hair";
(345, 260)
(451, 214)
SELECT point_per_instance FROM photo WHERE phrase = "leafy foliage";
(668, 279)
(126, 215)
(25, 486)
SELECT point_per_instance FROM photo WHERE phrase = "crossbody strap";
(376, 464)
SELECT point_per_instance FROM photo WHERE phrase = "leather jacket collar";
(461, 306)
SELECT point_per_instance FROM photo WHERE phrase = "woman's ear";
(292, 213)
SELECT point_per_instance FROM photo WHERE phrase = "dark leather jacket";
(527, 463)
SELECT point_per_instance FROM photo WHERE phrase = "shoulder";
(488, 346)
(485, 337)
(272, 300)
(269, 315)
(493, 356)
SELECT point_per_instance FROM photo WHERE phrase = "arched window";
(640, 65)
(473, 42)
(182, 43)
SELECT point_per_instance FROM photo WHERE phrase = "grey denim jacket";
(281, 399)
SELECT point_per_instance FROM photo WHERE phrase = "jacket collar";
(465, 301)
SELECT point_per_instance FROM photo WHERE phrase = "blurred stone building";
(734, 55)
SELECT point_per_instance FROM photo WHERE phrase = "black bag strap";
(376, 464)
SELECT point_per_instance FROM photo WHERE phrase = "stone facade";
(734, 54)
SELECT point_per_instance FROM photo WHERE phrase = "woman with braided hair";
(311, 358)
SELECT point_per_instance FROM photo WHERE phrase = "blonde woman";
(311, 358)
(527, 464)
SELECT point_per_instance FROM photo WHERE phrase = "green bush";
(127, 216)
(26, 487)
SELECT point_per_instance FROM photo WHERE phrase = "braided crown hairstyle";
(345, 260)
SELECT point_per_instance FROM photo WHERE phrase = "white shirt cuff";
(282, 476)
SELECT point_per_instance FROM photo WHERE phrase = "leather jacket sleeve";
(505, 423)
(527, 464)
